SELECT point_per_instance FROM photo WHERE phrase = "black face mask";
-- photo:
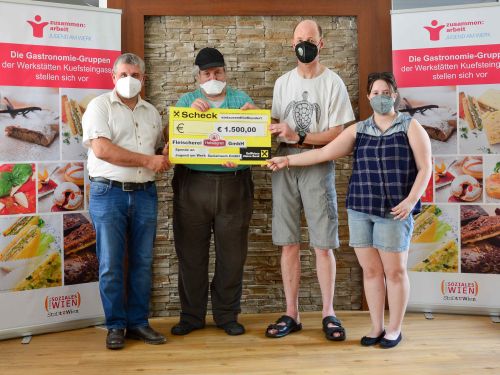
(306, 52)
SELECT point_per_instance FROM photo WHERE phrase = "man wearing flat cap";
(211, 199)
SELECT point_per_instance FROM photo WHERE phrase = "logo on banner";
(456, 30)
(460, 291)
(58, 29)
(65, 304)
(434, 30)
(37, 26)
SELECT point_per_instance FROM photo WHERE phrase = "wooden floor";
(449, 344)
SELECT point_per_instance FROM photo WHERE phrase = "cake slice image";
(80, 259)
(482, 228)
(471, 212)
(43, 135)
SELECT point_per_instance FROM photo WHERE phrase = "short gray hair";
(130, 59)
(196, 70)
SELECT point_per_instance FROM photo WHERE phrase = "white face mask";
(128, 87)
(213, 87)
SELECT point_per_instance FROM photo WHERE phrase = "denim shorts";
(384, 234)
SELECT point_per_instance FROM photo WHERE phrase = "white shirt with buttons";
(138, 131)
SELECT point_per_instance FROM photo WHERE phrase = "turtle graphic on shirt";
(303, 112)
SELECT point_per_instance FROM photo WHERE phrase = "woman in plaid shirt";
(391, 168)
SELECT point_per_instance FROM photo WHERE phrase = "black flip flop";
(282, 330)
(331, 331)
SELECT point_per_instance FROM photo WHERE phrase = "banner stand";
(447, 66)
(54, 59)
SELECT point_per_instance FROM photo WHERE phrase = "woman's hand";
(277, 163)
(403, 209)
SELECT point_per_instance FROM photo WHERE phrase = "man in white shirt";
(310, 107)
(124, 136)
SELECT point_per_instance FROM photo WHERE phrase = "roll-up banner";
(54, 59)
(447, 64)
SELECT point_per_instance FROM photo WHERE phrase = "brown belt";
(296, 145)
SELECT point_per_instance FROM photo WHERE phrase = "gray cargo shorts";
(313, 189)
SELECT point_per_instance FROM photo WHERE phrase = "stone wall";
(257, 51)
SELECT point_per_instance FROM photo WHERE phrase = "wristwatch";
(302, 137)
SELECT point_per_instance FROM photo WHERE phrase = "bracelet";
(287, 162)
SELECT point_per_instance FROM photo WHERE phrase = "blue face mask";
(382, 104)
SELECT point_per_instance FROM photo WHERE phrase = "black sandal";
(282, 330)
(331, 331)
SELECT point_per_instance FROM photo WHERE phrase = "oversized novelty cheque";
(219, 135)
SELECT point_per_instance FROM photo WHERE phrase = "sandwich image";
(491, 124)
(471, 111)
(427, 227)
(21, 223)
(444, 259)
(29, 241)
(72, 115)
(490, 100)
(47, 274)
(24, 245)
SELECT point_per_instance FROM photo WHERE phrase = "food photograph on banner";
(458, 179)
(80, 259)
(492, 180)
(17, 189)
(479, 122)
(29, 123)
(73, 105)
(61, 187)
(436, 110)
(434, 244)
(30, 252)
(480, 237)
